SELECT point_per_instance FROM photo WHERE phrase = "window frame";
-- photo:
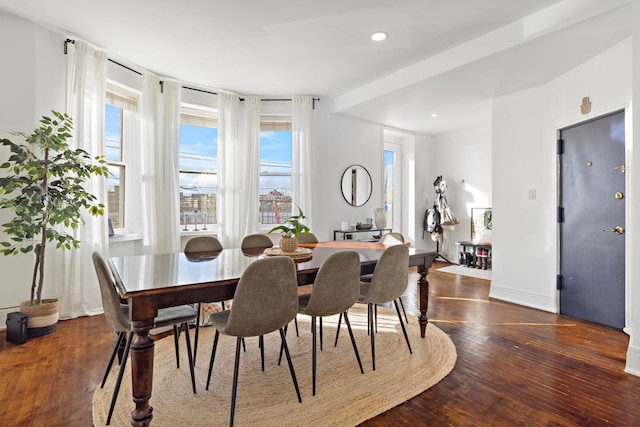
(199, 116)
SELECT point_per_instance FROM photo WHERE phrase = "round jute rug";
(344, 396)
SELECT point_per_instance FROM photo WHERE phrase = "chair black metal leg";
(113, 356)
(175, 342)
(190, 356)
(295, 321)
(313, 354)
(293, 373)
(372, 335)
(261, 345)
(375, 308)
(320, 333)
(404, 330)
(235, 381)
(403, 310)
(116, 389)
(282, 346)
(353, 341)
(213, 356)
(195, 340)
(338, 330)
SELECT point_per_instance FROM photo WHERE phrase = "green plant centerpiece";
(289, 229)
(43, 187)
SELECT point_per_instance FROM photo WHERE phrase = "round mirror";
(356, 185)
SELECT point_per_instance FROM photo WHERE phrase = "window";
(119, 103)
(198, 168)
(275, 169)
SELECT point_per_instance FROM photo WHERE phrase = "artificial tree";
(44, 190)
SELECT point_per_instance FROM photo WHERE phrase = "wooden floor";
(516, 366)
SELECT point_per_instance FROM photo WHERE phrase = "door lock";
(618, 230)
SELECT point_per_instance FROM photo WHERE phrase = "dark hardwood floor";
(516, 366)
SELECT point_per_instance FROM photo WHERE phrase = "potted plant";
(43, 187)
(289, 229)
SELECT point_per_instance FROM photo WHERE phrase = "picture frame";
(481, 225)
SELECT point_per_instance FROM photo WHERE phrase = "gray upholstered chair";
(266, 300)
(392, 239)
(193, 247)
(388, 239)
(118, 316)
(203, 244)
(256, 241)
(307, 238)
(388, 283)
(255, 244)
(335, 290)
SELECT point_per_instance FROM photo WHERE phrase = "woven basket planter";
(288, 244)
(42, 319)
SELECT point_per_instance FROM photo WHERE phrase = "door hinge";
(560, 146)
(560, 214)
(559, 282)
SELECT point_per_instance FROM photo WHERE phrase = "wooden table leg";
(142, 349)
(423, 292)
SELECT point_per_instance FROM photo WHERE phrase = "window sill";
(209, 232)
(128, 237)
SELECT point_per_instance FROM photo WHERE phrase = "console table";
(346, 233)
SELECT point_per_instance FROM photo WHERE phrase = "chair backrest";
(337, 285)
(110, 298)
(266, 298)
(392, 239)
(256, 241)
(203, 244)
(390, 275)
(307, 238)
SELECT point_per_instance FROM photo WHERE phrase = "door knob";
(618, 230)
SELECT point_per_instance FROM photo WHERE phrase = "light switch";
(531, 194)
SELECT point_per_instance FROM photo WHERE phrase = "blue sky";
(199, 151)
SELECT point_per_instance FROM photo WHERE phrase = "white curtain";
(238, 172)
(72, 273)
(160, 173)
(301, 156)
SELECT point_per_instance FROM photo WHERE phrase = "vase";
(379, 218)
(289, 244)
(42, 319)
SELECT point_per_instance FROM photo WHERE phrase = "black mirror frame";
(344, 176)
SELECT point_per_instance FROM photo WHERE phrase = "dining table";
(152, 282)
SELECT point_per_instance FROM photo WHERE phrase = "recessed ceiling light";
(434, 115)
(378, 36)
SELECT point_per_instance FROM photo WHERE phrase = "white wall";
(464, 161)
(340, 141)
(633, 190)
(524, 157)
(32, 83)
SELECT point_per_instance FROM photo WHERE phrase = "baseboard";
(527, 299)
(3, 316)
(633, 361)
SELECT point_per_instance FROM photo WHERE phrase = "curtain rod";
(67, 41)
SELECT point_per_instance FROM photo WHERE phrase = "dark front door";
(592, 204)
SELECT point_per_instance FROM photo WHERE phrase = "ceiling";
(441, 56)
